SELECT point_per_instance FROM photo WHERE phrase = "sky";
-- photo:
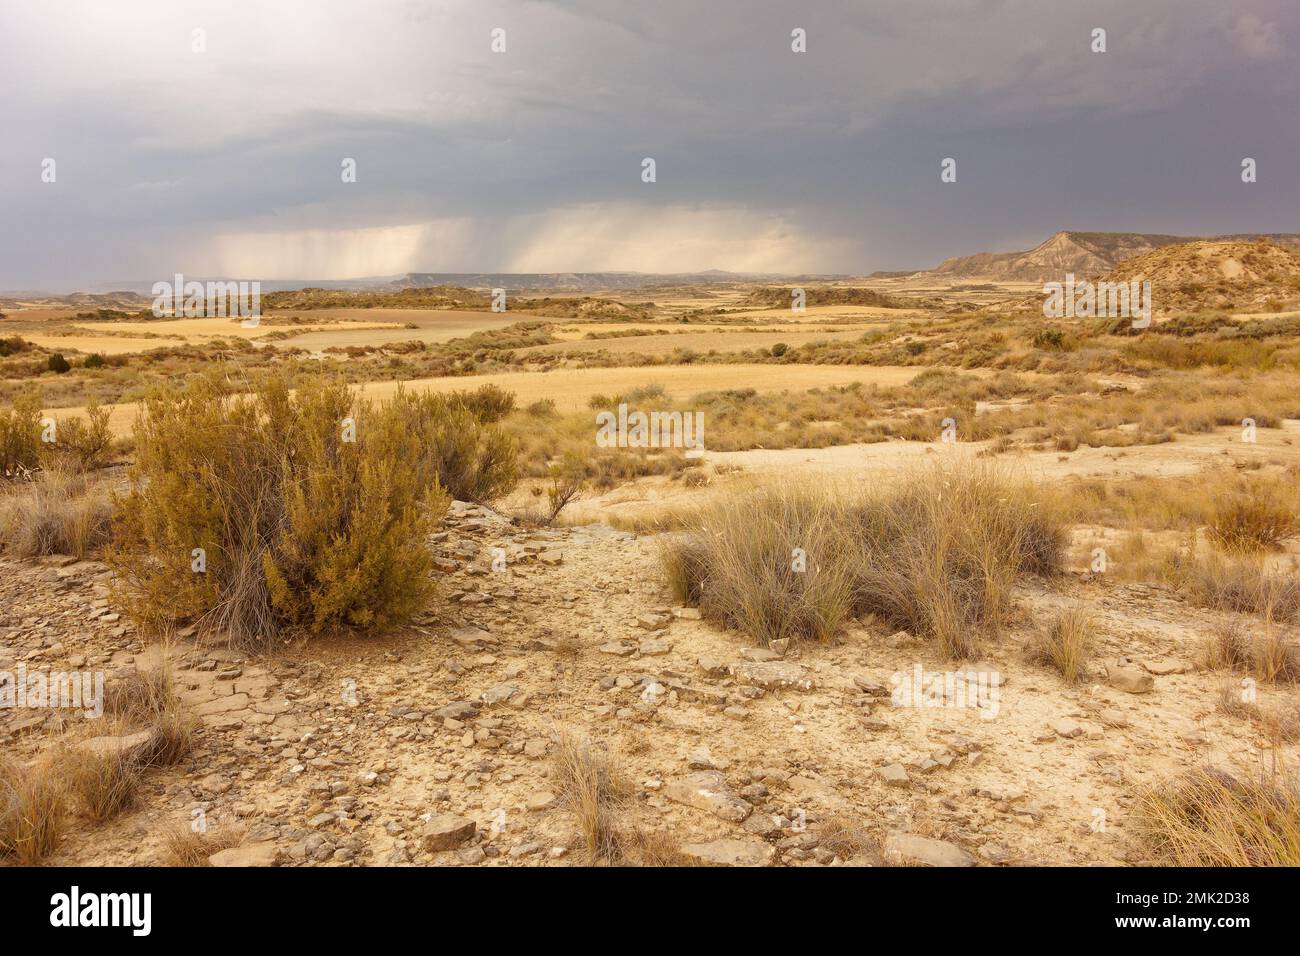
(221, 152)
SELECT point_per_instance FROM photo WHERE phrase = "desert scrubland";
(945, 581)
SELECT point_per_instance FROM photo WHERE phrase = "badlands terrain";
(570, 689)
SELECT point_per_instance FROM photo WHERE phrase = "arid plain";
(642, 653)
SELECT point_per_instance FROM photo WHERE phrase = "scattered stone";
(1130, 679)
(894, 775)
(773, 675)
(446, 831)
(654, 647)
(1065, 727)
(541, 801)
(708, 791)
(922, 851)
(1166, 665)
(254, 854)
(730, 853)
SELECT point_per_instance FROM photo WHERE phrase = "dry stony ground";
(740, 759)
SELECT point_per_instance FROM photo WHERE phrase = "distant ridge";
(1083, 253)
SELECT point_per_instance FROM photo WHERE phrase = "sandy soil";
(459, 715)
(882, 461)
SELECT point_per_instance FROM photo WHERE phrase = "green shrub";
(302, 529)
(472, 461)
(94, 360)
(488, 403)
(80, 443)
(12, 345)
(20, 437)
(57, 363)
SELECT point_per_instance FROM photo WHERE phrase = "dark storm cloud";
(227, 161)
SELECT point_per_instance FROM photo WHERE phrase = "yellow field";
(432, 325)
(571, 388)
(721, 340)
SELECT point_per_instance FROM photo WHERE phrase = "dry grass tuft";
(594, 791)
(1269, 655)
(32, 811)
(1064, 644)
(103, 784)
(597, 794)
(1239, 584)
(184, 846)
(937, 554)
(842, 836)
(1209, 818)
(58, 513)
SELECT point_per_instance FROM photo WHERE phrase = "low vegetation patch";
(1064, 643)
(32, 811)
(1210, 818)
(56, 513)
(297, 511)
(937, 554)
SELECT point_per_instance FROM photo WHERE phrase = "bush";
(488, 403)
(13, 344)
(20, 436)
(94, 360)
(80, 443)
(779, 349)
(1252, 522)
(301, 529)
(1243, 585)
(936, 554)
(472, 461)
(57, 363)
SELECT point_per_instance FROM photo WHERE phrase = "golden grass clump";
(56, 513)
(1064, 644)
(32, 811)
(936, 553)
(185, 846)
(102, 782)
(1210, 818)
(594, 791)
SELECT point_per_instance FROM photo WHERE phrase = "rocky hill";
(1082, 253)
(1241, 275)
